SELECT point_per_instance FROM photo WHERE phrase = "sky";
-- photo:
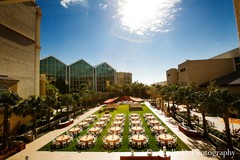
(144, 37)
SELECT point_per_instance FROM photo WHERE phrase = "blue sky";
(144, 37)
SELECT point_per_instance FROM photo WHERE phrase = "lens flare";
(145, 16)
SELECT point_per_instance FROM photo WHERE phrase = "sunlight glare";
(145, 16)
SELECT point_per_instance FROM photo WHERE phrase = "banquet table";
(150, 118)
(87, 138)
(82, 124)
(74, 130)
(100, 124)
(136, 122)
(88, 120)
(154, 122)
(62, 139)
(118, 123)
(116, 130)
(165, 137)
(136, 129)
(112, 140)
(94, 130)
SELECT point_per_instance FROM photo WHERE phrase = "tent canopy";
(110, 100)
(136, 99)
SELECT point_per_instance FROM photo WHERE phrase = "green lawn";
(124, 147)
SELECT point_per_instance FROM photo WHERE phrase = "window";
(183, 69)
(237, 59)
(238, 67)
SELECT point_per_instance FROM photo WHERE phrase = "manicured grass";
(98, 147)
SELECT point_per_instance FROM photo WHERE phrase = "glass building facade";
(105, 75)
(53, 68)
(78, 73)
(97, 78)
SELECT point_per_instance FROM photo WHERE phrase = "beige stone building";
(19, 52)
(124, 78)
(172, 76)
(198, 72)
(20, 46)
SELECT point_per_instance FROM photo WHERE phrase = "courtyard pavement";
(201, 150)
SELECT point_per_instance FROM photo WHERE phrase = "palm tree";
(203, 100)
(165, 92)
(126, 90)
(138, 89)
(7, 101)
(173, 97)
(33, 106)
(86, 98)
(186, 96)
(66, 100)
(50, 102)
(84, 93)
(94, 98)
(77, 102)
(223, 102)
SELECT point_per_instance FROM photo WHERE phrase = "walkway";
(218, 122)
(31, 148)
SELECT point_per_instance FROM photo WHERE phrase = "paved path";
(31, 148)
(218, 122)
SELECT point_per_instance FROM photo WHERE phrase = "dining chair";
(83, 145)
(64, 143)
(111, 145)
(139, 145)
(57, 144)
(170, 144)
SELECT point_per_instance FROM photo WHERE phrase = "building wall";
(17, 45)
(196, 72)
(172, 76)
(124, 78)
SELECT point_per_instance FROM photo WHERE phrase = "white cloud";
(143, 17)
(103, 6)
(67, 3)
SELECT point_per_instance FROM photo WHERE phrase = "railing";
(210, 134)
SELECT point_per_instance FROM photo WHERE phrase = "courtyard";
(140, 132)
(197, 146)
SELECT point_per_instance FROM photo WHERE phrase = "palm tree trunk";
(48, 118)
(86, 103)
(204, 124)
(74, 111)
(5, 127)
(188, 117)
(67, 111)
(34, 126)
(228, 134)
(168, 108)
(81, 106)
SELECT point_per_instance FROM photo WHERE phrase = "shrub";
(22, 129)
